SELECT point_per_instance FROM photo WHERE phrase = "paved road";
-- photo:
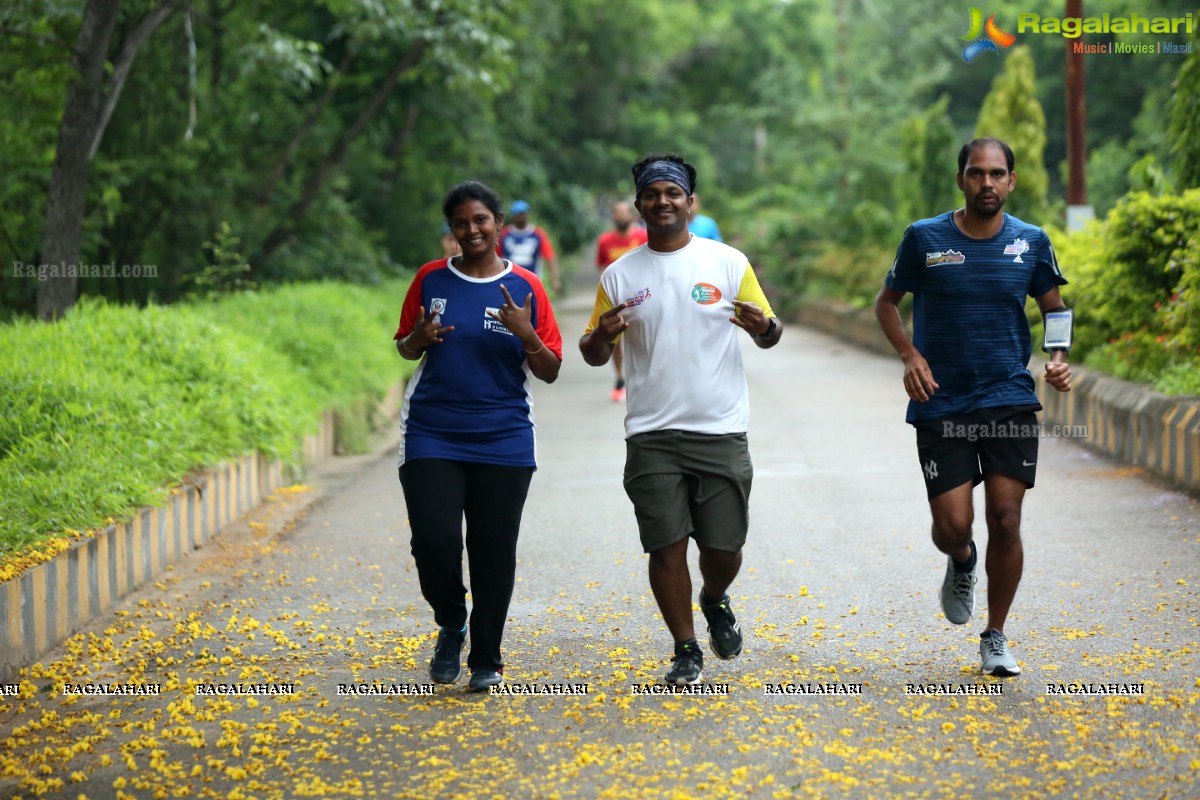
(840, 588)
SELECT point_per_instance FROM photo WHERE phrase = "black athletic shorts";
(961, 447)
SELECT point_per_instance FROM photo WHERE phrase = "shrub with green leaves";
(1147, 243)
(1081, 257)
(330, 332)
(1135, 284)
(111, 405)
(850, 274)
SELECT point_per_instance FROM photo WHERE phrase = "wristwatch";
(770, 329)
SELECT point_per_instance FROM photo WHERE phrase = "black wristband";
(770, 329)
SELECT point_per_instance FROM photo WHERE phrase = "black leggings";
(439, 493)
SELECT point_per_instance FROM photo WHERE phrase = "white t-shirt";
(683, 365)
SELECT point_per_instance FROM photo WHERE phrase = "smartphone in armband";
(1059, 326)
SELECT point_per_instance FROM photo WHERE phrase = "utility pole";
(1078, 211)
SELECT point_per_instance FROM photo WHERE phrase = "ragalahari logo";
(984, 37)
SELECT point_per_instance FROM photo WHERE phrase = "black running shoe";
(446, 665)
(724, 633)
(687, 665)
(484, 679)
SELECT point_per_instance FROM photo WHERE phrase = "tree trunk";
(286, 229)
(124, 65)
(63, 230)
(396, 150)
(306, 127)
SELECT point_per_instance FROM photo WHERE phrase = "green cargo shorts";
(689, 484)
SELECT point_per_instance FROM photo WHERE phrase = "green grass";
(108, 408)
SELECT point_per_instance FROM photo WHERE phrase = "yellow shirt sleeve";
(751, 292)
(602, 304)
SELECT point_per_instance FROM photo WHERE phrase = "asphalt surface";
(839, 589)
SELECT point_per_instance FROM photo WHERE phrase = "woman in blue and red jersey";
(480, 327)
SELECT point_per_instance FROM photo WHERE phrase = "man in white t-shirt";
(677, 306)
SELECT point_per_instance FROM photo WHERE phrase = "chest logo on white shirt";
(944, 257)
(639, 298)
(705, 294)
(1018, 247)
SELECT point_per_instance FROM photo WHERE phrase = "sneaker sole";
(457, 675)
(699, 678)
(713, 645)
(1003, 672)
(480, 689)
(953, 621)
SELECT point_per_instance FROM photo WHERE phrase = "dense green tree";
(322, 136)
(1012, 112)
(1185, 123)
(929, 147)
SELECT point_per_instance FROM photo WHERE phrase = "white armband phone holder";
(1059, 327)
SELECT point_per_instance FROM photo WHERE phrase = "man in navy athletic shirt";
(972, 397)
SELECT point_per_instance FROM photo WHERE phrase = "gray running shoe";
(997, 660)
(958, 594)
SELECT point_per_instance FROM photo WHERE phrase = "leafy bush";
(777, 240)
(1081, 256)
(1134, 356)
(853, 275)
(1148, 239)
(111, 405)
(1180, 379)
(1135, 285)
(330, 332)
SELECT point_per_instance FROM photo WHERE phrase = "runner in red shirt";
(611, 245)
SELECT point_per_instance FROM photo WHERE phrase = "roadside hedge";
(1135, 286)
(111, 406)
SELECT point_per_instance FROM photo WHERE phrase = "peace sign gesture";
(517, 318)
(428, 330)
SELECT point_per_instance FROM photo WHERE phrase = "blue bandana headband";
(664, 171)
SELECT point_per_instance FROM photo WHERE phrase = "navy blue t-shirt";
(969, 310)
(470, 398)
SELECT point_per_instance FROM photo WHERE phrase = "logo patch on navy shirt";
(437, 306)
(944, 257)
(1017, 247)
(492, 324)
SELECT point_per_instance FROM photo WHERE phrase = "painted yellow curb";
(46, 604)
(1126, 420)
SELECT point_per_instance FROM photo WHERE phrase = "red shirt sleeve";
(546, 325)
(412, 300)
(547, 248)
(602, 251)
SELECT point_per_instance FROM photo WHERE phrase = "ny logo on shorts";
(930, 470)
